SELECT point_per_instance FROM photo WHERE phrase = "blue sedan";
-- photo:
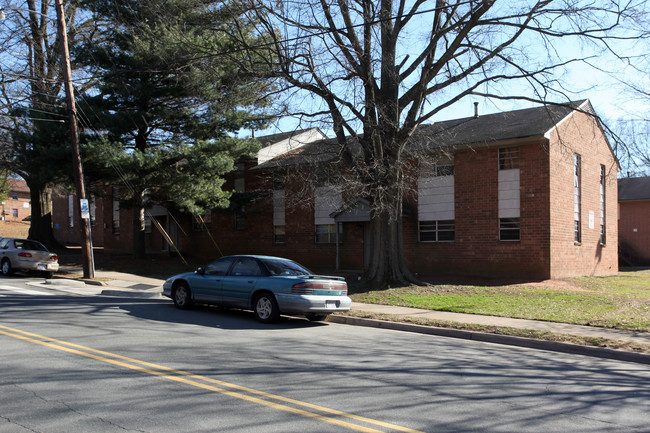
(269, 286)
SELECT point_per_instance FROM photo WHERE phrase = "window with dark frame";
(509, 229)
(326, 233)
(602, 205)
(202, 223)
(577, 214)
(240, 219)
(437, 231)
(508, 158)
(279, 234)
(279, 181)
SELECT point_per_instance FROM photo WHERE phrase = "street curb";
(131, 293)
(553, 346)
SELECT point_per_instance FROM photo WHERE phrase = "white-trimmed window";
(436, 202)
(116, 211)
(509, 194)
(279, 220)
(70, 210)
(577, 193)
(327, 199)
(508, 158)
(437, 231)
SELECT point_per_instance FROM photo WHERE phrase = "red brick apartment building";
(634, 220)
(17, 206)
(528, 193)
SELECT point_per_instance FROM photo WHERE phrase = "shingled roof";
(634, 189)
(509, 125)
(471, 131)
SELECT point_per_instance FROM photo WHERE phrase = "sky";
(604, 88)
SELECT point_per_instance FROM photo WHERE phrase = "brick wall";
(17, 206)
(580, 134)
(634, 231)
(545, 249)
(477, 249)
(67, 235)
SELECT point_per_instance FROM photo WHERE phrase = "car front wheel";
(182, 296)
(266, 308)
(6, 268)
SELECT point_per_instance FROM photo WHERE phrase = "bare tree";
(378, 69)
(33, 132)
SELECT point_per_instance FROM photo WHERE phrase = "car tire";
(6, 268)
(47, 274)
(316, 317)
(182, 296)
(266, 308)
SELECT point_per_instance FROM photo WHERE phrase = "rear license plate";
(42, 267)
(331, 304)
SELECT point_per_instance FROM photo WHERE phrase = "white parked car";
(26, 255)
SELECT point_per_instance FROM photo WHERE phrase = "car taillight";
(302, 288)
(54, 257)
(307, 288)
(24, 254)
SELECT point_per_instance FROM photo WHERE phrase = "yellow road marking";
(193, 380)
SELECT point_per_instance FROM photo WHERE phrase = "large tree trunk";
(40, 228)
(387, 263)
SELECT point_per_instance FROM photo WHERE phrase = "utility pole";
(86, 243)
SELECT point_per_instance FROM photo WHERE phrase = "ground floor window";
(509, 229)
(437, 231)
(202, 222)
(279, 234)
(240, 220)
(326, 233)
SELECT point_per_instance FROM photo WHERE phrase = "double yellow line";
(297, 407)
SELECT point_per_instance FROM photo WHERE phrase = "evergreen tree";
(168, 103)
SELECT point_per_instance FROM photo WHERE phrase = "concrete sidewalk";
(128, 285)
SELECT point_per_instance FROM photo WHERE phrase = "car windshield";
(285, 267)
(29, 245)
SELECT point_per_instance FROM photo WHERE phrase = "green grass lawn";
(621, 301)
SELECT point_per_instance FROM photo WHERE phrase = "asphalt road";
(73, 361)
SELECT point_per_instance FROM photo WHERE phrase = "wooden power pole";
(86, 243)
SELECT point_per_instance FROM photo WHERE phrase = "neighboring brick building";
(528, 193)
(17, 206)
(634, 221)
(65, 220)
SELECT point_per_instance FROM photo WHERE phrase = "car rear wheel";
(47, 274)
(316, 317)
(266, 308)
(6, 268)
(182, 296)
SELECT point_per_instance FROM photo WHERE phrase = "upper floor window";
(443, 166)
(14, 195)
(603, 178)
(577, 214)
(508, 158)
(240, 182)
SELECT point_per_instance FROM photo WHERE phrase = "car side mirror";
(200, 271)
